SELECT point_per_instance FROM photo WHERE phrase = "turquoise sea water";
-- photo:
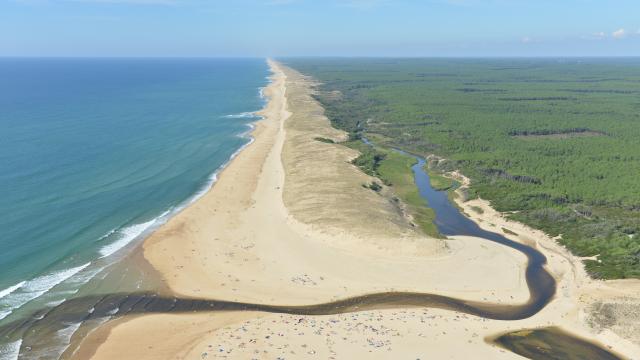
(96, 152)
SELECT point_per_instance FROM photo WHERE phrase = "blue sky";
(320, 27)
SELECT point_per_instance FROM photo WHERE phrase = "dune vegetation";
(552, 142)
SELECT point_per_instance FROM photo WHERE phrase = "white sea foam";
(244, 115)
(42, 284)
(55, 303)
(83, 278)
(59, 344)
(130, 233)
(113, 312)
(11, 289)
(65, 335)
(214, 176)
(107, 234)
(127, 235)
(11, 350)
(34, 288)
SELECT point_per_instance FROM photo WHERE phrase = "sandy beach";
(288, 223)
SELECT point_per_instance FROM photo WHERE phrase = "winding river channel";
(36, 330)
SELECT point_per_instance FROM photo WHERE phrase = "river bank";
(270, 232)
(606, 310)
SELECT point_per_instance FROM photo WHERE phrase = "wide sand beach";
(289, 223)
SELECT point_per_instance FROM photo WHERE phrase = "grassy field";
(394, 169)
(557, 141)
(439, 182)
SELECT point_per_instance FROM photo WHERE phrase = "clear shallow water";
(96, 152)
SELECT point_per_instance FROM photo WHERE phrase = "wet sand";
(272, 231)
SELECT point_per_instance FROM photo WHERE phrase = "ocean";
(96, 153)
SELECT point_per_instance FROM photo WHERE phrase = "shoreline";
(105, 240)
(135, 257)
(132, 252)
(166, 216)
(124, 256)
(123, 252)
(300, 282)
(96, 337)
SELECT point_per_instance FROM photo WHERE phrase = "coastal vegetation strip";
(574, 176)
(394, 171)
(440, 182)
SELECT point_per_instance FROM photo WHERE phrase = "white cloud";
(526, 40)
(601, 35)
(619, 34)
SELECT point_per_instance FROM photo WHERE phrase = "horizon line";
(321, 57)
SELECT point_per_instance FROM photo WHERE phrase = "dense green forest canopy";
(556, 141)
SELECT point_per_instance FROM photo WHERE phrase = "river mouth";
(34, 332)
